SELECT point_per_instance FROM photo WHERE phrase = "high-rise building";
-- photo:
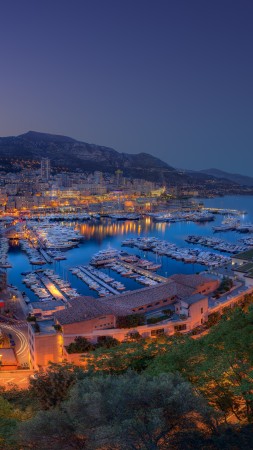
(45, 168)
(119, 177)
(65, 180)
(98, 177)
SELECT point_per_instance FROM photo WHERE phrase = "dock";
(144, 272)
(52, 288)
(99, 281)
(45, 256)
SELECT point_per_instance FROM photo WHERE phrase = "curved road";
(19, 332)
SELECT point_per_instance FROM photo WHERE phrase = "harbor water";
(100, 234)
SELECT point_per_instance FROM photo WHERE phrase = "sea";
(107, 233)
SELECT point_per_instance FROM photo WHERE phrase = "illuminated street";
(18, 377)
(19, 333)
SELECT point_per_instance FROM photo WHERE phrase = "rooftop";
(86, 308)
(47, 306)
(247, 256)
(195, 298)
(192, 281)
(45, 326)
(83, 308)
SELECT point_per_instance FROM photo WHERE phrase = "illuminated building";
(119, 177)
(45, 169)
(184, 295)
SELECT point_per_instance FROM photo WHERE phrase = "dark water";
(98, 235)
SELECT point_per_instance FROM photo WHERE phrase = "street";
(17, 377)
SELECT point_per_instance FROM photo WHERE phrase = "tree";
(129, 411)
(134, 354)
(52, 385)
(80, 345)
(218, 364)
(8, 424)
(133, 336)
(107, 342)
(10, 417)
(130, 321)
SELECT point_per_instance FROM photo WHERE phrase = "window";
(157, 332)
(180, 327)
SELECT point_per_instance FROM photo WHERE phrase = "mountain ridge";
(71, 154)
(244, 180)
(67, 153)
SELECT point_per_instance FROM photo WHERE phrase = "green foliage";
(133, 354)
(124, 412)
(246, 302)
(52, 385)
(36, 327)
(107, 342)
(213, 319)
(152, 320)
(167, 312)
(156, 406)
(8, 423)
(80, 345)
(133, 336)
(225, 286)
(219, 364)
(15, 406)
(31, 318)
(130, 321)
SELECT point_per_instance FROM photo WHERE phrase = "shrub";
(80, 345)
(130, 321)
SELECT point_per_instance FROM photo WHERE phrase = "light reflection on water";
(98, 235)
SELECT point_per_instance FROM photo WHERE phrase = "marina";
(49, 286)
(4, 248)
(218, 244)
(162, 250)
(187, 255)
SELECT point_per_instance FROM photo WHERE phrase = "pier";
(99, 281)
(45, 256)
(51, 287)
(224, 211)
(144, 272)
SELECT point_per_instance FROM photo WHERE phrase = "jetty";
(99, 281)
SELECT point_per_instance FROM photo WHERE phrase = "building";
(45, 169)
(243, 266)
(8, 360)
(119, 178)
(92, 318)
(45, 343)
(45, 309)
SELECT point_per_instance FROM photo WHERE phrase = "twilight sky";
(169, 77)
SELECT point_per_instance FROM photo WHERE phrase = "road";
(19, 332)
(18, 377)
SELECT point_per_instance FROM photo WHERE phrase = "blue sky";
(171, 78)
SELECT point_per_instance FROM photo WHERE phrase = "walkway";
(99, 281)
(146, 273)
